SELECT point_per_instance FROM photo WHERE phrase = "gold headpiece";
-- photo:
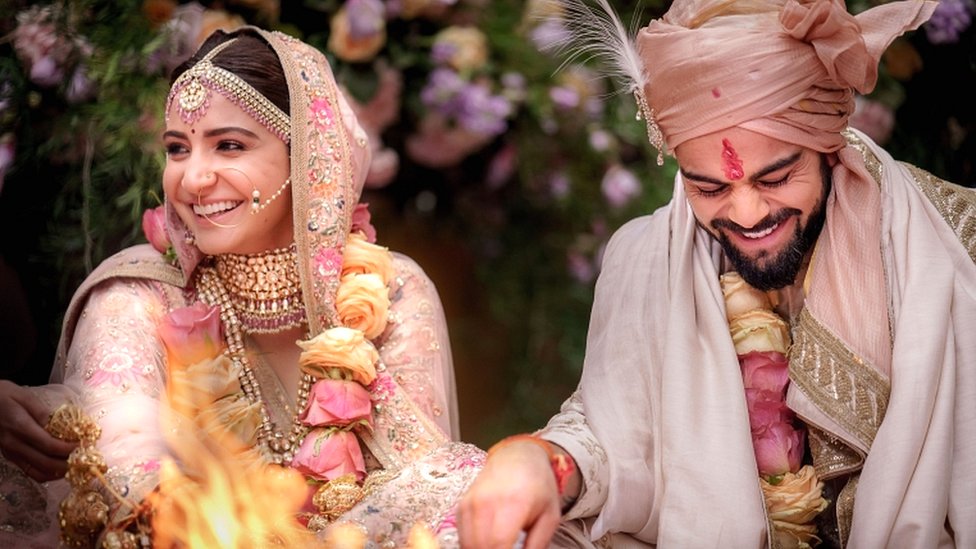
(192, 90)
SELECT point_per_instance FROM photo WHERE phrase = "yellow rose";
(233, 414)
(351, 48)
(793, 504)
(468, 47)
(361, 257)
(363, 302)
(197, 386)
(343, 348)
(759, 330)
(740, 297)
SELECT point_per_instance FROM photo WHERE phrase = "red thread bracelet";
(562, 464)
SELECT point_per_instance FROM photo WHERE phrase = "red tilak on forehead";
(731, 161)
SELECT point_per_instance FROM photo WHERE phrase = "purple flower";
(580, 267)
(619, 186)
(514, 81)
(46, 72)
(442, 52)
(549, 34)
(80, 88)
(564, 98)
(600, 140)
(441, 90)
(950, 19)
(481, 112)
(179, 39)
(366, 18)
(558, 184)
(470, 105)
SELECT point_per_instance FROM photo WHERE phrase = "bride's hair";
(250, 58)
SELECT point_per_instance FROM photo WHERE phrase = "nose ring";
(206, 177)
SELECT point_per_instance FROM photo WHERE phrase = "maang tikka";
(192, 92)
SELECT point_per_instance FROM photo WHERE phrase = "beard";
(767, 272)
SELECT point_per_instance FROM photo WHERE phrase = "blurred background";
(500, 166)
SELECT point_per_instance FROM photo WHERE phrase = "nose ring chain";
(257, 205)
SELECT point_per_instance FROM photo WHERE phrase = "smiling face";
(763, 199)
(213, 167)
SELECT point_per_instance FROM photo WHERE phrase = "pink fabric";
(788, 70)
(703, 71)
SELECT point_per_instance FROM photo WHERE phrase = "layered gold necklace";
(265, 289)
(270, 307)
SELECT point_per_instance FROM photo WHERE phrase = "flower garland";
(791, 491)
(341, 361)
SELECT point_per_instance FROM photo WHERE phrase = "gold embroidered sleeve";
(956, 204)
(115, 362)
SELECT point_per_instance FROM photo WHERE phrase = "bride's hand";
(23, 440)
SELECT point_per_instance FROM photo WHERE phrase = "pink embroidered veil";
(415, 410)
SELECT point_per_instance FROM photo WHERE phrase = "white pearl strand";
(275, 446)
(257, 205)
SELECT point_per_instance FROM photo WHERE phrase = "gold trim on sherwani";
(956, 204)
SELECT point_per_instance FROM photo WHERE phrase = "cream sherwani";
(659, 426)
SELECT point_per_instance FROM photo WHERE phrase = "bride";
(262, 242)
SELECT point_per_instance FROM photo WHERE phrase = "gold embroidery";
(871, 161)
(956, 204)
(845, 508)
(831, 457)
(837, 381)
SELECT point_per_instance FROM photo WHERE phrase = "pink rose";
(766, 408)
(765, 370)
(191, 334)
(360, 222)
(779, 449)
(327, 453)
(154, 227)
(334, 402)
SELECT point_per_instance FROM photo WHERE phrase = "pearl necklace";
(276, 447)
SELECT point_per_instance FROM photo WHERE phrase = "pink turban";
(786, 69)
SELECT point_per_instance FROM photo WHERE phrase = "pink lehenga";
(112, 362)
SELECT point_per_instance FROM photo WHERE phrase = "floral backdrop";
(500, 168)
